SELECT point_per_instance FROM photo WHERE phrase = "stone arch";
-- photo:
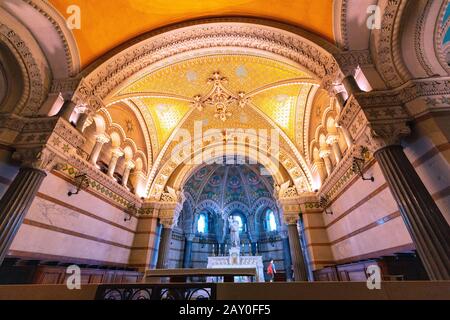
(116, 138)
(274, 167)
(25, 58)
(259, 209)
(309, 51)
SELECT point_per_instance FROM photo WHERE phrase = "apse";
(217, 191)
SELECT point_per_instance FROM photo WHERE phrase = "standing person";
(271, 270)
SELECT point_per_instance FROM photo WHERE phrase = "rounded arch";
(116, 139)
(183, 166)
(23, 56)
(306, 49)
(209, 205)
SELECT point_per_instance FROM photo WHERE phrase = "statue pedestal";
(235, 261)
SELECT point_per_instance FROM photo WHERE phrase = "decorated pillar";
(187, 257)
(325, 155)
(129, 165)
(426, 224)
(100, 140)
(38, 148)
(18, 198)
(291, 212)
(168, 216)
(146, 239)
(287, 257)
(333, 141)
(115, 155)
(380, 127)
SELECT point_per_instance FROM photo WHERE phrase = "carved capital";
(324, 153)
(130, 165)
(332, 138)
(102, 138)
(37, 158)
(168, 217)
(117, 153)
(291, 219)
(378, 136)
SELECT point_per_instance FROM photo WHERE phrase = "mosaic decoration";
(226, 184)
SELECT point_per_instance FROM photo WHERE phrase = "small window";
(202, 223)
(271, 223)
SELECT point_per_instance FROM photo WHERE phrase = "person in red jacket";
(271, 270)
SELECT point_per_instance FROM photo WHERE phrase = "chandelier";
(220, 98)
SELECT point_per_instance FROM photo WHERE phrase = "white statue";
(234, 232)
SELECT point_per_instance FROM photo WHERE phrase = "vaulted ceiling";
(275, 88)
(225, 184)
(107, 24)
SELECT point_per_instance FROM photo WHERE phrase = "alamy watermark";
(214, 146)
(374, 277)
(74, 20)
(73, 281)
(374, 19)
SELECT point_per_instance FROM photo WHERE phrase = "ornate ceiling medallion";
(220, 98)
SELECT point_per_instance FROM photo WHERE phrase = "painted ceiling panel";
(279, 104)
(189, 78)
(166, 114)
(106, 24)
(239, 183)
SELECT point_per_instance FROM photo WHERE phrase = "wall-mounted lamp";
(357, 167)
(81, 181)
(324, 204)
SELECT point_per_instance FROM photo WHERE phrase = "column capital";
(291, 219)
(102, 138)
(374, 125)
(332, 138)
(129, 164)
(189, 236)
(117, 153)
(378, 136)
(324, 152)
(37, 158)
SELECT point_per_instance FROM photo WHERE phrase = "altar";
(236, 261)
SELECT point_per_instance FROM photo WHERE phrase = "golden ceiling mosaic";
(228, 84)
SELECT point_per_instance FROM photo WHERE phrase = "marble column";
(287, 258)
(424, 221)
(325, 155)
(100, 140)
(67, 110)
(187, 257)
(333, 141)
(15, 204)
(298, 260)
(115, 155)
(129, 165)
(164, 247)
